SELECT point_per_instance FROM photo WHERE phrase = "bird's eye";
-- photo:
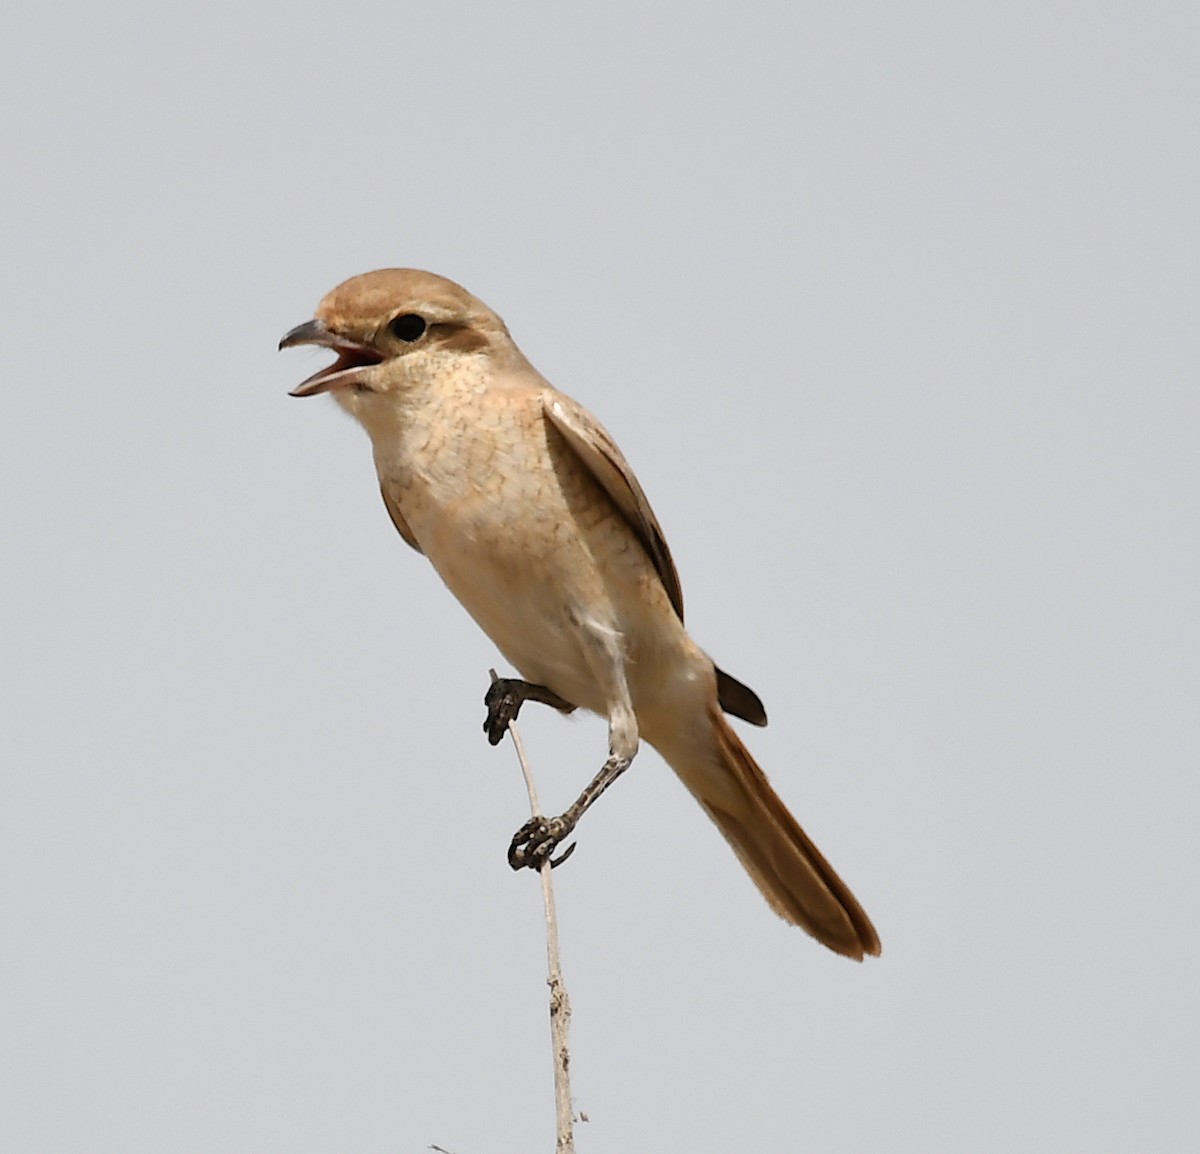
(408, 327)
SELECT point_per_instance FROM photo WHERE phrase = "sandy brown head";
(393, 313)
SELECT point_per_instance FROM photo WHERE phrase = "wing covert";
(600, 456)
(399, 521)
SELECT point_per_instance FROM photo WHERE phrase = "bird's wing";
(399, 521)
(601, 457)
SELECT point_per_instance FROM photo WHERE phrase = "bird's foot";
(536, 841)
(504, 699)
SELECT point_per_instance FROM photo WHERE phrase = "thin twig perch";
(560, 1004)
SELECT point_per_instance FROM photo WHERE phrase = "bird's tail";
(797, 881)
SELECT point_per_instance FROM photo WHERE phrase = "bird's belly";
(548, 568)
(534, 598)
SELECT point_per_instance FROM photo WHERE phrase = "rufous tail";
(797, 881)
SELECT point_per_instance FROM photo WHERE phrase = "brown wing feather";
(739, 699)
(602, 458)
(399, 521)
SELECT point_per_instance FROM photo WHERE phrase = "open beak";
(353, 359)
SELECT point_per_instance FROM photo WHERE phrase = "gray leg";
(539, 837)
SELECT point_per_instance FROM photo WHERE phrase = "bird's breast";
(521, 536)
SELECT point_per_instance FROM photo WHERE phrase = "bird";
(537, 524)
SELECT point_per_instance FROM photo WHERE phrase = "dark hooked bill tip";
(311, 332)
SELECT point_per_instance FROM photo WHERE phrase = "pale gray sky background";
(894, 310)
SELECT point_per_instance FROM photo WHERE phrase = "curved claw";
(537, 840)
(504, 699)
(555, 862)
(502, 708)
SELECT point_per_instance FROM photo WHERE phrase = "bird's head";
(392, 329)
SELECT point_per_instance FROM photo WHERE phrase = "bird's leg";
(539, 837)
(504, 699)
